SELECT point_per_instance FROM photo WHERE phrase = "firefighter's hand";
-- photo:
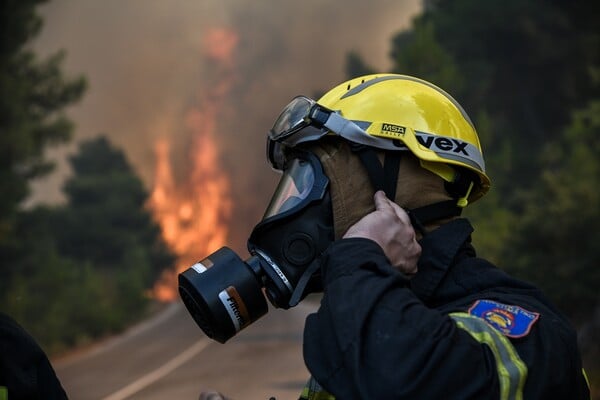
(389, 226)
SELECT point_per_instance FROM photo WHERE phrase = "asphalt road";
(168, 357)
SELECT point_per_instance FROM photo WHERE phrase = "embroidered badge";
(511, 321)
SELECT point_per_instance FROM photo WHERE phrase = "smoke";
(146, 69)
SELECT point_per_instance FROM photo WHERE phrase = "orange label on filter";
(235, 308)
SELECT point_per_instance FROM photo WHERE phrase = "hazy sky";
(146, 65)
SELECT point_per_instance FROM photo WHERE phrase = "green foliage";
(555, 241)
(59, 302)
(56, 299)
(418, 53)
(83, 270)
(106, 222)
(33, 95)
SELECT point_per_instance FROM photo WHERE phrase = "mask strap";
(298, 292)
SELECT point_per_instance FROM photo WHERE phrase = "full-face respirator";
(224, 293)
(388, 113)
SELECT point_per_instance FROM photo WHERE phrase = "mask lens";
(294, 188)
(292, 118)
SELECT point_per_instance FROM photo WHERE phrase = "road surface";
(168, 357)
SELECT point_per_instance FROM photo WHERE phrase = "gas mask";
(225, 294)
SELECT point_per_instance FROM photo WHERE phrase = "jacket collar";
(439, 250)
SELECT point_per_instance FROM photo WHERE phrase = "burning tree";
(195, 212)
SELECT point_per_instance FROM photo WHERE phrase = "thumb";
(382, 203)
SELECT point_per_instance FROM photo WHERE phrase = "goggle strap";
(320, 117)
(335, 122)
(354, 133)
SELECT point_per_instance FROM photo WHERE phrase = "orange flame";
(194, 215)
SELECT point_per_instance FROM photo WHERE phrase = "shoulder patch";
(511, 321)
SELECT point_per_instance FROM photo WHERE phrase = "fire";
(194, 214)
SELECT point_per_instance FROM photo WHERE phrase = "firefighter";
(375, 175)
(25, 371)
(408, 309)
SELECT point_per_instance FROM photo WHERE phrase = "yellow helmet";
(415, 115)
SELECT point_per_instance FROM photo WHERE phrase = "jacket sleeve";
(373, 339)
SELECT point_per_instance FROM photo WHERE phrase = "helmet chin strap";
(385, 177)
(419, 217)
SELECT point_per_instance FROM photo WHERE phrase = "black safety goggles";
(305, 120)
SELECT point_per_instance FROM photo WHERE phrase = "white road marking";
(158, 373)
(104, 346)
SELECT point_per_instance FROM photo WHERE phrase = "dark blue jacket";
(378, 335)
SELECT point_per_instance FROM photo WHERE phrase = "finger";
(382, 203)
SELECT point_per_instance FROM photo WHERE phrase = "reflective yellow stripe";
(314, 391)
(587, 381)
(3, 393)
(512, 372)
(304, 395)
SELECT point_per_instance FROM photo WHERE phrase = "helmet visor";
(302, 181)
